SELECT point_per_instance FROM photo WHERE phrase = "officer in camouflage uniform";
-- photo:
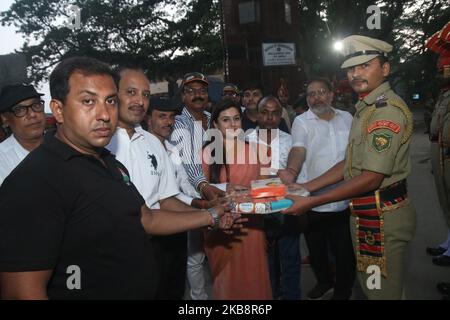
(440, 150)
(375, 170)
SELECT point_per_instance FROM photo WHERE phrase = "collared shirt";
(11, 154)
(187, 191)
(380, 136)
(187, 136)
(325, 143)
(250, 124)
(147, 162)
(280, 147)
(64, 211)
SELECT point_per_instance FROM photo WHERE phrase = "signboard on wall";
(278, 54)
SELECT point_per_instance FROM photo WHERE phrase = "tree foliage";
(168, 37)
(171, 37)
(405, 24)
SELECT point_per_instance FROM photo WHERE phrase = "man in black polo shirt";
(72, 225)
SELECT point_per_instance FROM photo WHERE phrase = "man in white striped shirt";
(189, 129)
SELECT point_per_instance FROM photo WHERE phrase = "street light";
(338, 46)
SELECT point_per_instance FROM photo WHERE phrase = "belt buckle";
(370, 238)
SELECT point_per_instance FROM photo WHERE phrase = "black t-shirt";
(62, 210)
(249, 124)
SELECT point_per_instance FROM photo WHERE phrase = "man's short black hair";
(59, 78)
(301, 102)
(383, 59)
(323, 80)
(122, 67)
(254, 85)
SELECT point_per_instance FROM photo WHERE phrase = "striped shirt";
(187, 136)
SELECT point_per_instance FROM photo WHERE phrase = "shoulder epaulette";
(365, 119)
(408, 115)
(380, 102)
(395, 103)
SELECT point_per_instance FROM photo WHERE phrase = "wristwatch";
(215, 215)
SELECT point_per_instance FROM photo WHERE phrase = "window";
(287, 11)
(249, 12)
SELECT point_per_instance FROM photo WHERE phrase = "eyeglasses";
(21, 111)
(318, 93)
(191, 91)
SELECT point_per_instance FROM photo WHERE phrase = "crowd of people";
(130, 200)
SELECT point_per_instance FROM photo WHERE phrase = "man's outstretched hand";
(301, 205)
(228, 221)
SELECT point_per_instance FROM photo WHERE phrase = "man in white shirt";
(320, 138)
(160, 121)
(22, 110)
(282, 232)
(150, 171)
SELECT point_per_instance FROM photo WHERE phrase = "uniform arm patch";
(384, 124)
(381, 141)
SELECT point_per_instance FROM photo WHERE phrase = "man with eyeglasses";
(189, 129)
(22, 110)
(320, 138)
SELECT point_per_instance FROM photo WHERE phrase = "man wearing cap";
(231, 91)
(22, 110)
(375, 170)
(440, 140)
(161, 119)
(189, 128)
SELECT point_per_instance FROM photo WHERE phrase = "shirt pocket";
(342, 143)
(356, 140)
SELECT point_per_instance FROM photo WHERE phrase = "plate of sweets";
(265, 197)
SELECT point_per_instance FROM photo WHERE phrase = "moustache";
(198, 99)
(358, 80)
(136, 106)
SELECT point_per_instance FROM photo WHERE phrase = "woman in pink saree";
(238, 261)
